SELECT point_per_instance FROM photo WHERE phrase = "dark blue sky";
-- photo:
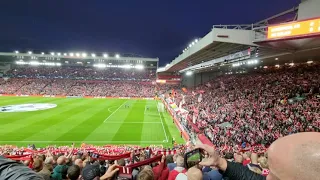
(147, 27)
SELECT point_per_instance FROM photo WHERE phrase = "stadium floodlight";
(78, 54)
(71, 54)
(59, 54)
(34, 63)
(29, 52)
(277, 65)
(139, 66)
(17, 52)
(167, 65)
(93, 55)
(52, 53)
(42, 53)
(117, 56)
(84, 55)
(100, 65)
(65, 54)
(105, 55)
(190, 45)
(189, 73)
(58, 64)
(196, 40)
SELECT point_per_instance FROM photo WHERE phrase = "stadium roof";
(232, 45)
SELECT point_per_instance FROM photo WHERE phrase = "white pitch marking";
(163, 127)
(114, 111)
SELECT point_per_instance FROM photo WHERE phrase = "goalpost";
(160, 107)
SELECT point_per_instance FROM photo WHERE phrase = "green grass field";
(91, 121)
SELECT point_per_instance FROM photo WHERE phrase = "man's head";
(73, 172)
(169, 159)
(238, 158)
(79, 163)
(180, 161)
(37, 165)
(61, 160)
(295, 157)
(194, 174)
(146, 174)
(90, 172)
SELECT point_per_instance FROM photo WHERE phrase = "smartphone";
(193, 158)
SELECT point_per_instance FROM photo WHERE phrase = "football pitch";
(62, 121)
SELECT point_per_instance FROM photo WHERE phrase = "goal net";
(160, 107)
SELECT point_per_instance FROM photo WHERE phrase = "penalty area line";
(114, 111)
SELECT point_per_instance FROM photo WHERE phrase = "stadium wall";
(199, 78)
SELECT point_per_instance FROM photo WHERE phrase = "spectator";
(177, 170)
(73, 172)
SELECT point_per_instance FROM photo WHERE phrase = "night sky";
(145, 27)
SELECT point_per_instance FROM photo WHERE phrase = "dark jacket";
(12, 170)
(236, 171)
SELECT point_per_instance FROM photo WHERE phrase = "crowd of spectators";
(79, 81)
(68, 87)
(291, 157)
(255, 108)
(69, 72)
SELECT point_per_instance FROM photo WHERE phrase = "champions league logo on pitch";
(27, 107)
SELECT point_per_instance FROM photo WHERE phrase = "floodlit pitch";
(30, 120)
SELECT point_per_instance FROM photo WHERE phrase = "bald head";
(61, 160)
(194, 174)
(295, 157)
(79, 163)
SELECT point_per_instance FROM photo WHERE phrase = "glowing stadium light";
(100, 65)
(84, 55)
(189, 73)
(190, 45)
(71, 54)
(17, 52)
(277, 65)
(105, 55)
(139, 66)
(29, 52)
(167, 65)
(196, 40)
(34, 63)
(117, 56)
(78, 54)
(42, 53)
(52, 53)
(309, 62)
(93, 55)
(58, 64)
(127, 66)
(65, 54)
(59, 54)
(276, 59)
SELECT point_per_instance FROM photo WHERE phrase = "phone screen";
(193, 158)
